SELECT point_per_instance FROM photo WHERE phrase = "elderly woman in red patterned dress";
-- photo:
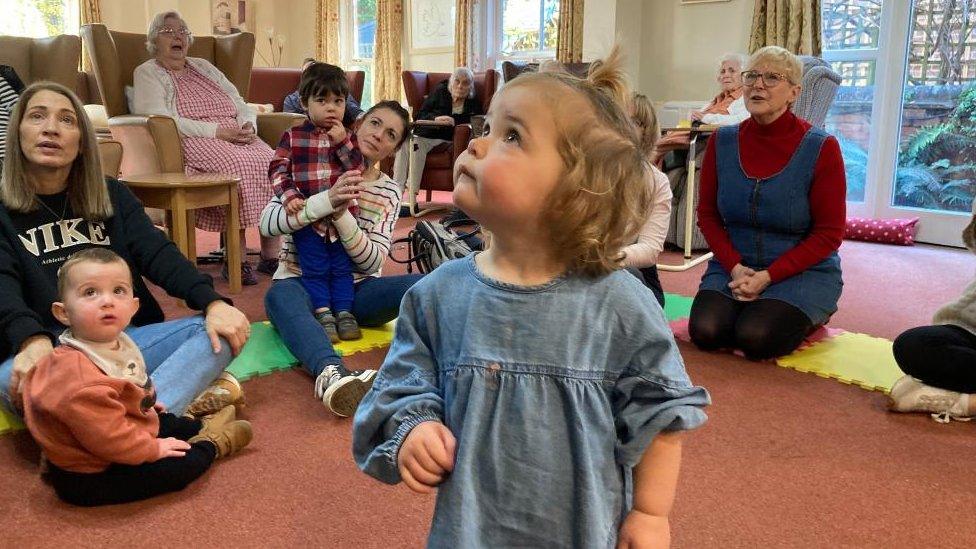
(218, 128)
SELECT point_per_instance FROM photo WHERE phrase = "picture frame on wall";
(431, 26)
(702, 1)
(230, 17)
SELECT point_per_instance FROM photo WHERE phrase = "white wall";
(681, 43)
(670, 48)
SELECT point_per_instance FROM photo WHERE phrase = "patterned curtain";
(91, 12)
(327, 31)
(387, 56)
(791, 24)
(569, 37)
(462, 33)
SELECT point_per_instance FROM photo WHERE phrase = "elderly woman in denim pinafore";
(773, 211)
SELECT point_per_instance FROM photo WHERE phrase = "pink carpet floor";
(786, 460)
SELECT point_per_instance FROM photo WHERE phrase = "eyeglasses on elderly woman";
(170, 31)
(770, 79)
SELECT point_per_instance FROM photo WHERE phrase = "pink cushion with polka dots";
(886, 231)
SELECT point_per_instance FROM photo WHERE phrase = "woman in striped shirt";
(367, 239)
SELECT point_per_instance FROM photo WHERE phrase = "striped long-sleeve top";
(366, 237)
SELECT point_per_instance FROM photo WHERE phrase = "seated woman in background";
(773, 200)
(939, 361)
(641, 256)
(54, 201)
(218, 128)
(726, 109)
(451, 103)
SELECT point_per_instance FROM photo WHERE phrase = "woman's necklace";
(64, 209)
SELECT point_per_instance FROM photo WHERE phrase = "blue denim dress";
(553, 393)
(766, 218)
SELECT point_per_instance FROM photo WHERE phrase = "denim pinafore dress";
(765, 218)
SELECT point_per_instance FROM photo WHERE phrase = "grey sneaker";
(329, 323)
(341, 390)
(347, 326)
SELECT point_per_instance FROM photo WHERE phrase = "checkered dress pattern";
(199, 98)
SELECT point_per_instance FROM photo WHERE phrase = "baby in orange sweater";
(91, 405)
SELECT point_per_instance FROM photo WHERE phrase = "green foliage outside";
(52, 12)
(937, 165)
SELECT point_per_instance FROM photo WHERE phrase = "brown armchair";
(439, 169)
(272, 85)
(152, 143)
(54, 58)
(511, 69)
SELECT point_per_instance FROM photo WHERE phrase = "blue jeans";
(326, 270)
(290, 309)
(178, 356)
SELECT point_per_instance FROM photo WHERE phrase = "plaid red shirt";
(306, 163)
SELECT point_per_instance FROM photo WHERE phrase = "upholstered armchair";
(439, 169)
(152, 143)
(55, 58)
(270, 85)
(818, 90)
(511, 69)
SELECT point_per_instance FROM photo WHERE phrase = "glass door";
(905, 111)
(935, 168)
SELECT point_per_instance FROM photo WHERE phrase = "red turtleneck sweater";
(764, 151)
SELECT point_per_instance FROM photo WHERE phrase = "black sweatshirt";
(34, 245)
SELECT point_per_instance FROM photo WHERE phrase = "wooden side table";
(179, 194)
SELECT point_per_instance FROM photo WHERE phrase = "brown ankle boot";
(214, 423)
(230, 439)
(223, 391)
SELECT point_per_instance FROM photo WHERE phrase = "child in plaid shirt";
(309, 160)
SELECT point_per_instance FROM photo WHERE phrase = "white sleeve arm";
(737, 113)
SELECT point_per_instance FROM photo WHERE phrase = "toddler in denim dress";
(535, 385)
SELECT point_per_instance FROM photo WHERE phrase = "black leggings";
(648, 276)
(940, 356)
(124, 483)
(764, 328)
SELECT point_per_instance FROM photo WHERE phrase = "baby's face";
(99, 302)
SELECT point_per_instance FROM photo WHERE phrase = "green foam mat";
(677, 306)
(265, 352)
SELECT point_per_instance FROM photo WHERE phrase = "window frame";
(495, 22)
(348, 49)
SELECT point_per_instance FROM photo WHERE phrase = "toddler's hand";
(171, 447)
(294, 206)
(641, 530)
(337, 133)
(159, 407)
(426, 456)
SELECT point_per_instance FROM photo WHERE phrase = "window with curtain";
(525, 30)
(359, 41)
(39, 18)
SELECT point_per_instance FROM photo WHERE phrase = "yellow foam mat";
(9, 422)
(857, 359)
(373, 338)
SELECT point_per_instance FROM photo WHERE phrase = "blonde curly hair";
(602, 197)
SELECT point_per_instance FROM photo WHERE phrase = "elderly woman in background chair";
(218, 128)
(451, 103)
(772, 209)
(726, 109)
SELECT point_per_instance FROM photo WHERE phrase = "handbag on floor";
(430, 243)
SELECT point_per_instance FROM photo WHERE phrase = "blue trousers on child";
(326, 270)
